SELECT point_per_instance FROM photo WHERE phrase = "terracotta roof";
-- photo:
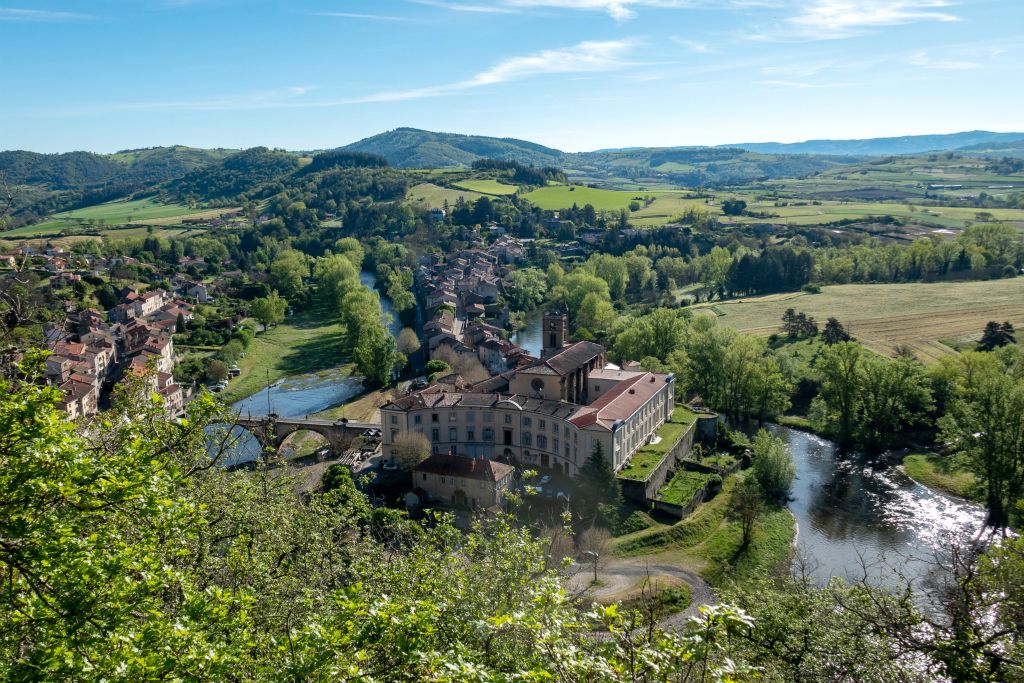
(624, 399)
(567, 360)
(465, 468)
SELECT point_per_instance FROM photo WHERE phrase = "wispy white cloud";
(20, 14)
(800, 70)
(587, 56)
(799, 85)
(263, 99)
(924, 60)
(622, 10)
(357, 15)
(466, 7)
(842, 18)
(693, 45)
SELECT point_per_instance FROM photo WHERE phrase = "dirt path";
(620, 577)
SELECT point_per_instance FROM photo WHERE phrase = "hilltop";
(414, 148)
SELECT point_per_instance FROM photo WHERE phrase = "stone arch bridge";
(271, 431)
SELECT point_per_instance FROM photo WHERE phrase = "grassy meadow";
(487, 186)
(434, 195)
(307, 342)
(104, 218)
(885, 316)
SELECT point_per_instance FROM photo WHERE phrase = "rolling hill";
(907, 144)
(414, 148)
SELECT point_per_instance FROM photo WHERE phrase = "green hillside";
(414, 148)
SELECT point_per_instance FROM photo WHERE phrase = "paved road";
(620, 576)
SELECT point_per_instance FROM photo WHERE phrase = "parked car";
(390, 466)
(546, 479)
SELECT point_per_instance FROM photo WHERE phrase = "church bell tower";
(556, 332)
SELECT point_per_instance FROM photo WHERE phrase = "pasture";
(555, 197)
(129, 212)
(884, 317)
(103, 219)
(435, 196)
(806, 213)
(487, 186)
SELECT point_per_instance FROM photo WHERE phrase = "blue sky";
(574, 74)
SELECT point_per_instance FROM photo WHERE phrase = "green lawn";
(709, 542)
(435, 195)
(648, 457)
(938, 472)
(128, 211)
(564, 196)
(487, 186)
(683, 485)
(304, 343)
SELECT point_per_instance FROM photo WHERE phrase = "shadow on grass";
(320, 353)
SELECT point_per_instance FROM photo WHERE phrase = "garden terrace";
(651, 455)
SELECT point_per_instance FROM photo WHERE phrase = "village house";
(453, 480)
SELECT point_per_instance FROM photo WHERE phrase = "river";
(849, 509)
(529, 337)
(306, 394)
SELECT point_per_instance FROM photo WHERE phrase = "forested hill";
(78, 170)
(414, 148)
(977, 140)
(54, 182)
(236, 175)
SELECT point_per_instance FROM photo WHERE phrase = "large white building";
(548, 414)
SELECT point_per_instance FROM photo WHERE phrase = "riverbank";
(710, 544)
(363, 408)
(938, 472)
(308, 342)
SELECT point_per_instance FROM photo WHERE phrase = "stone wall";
(647, 489)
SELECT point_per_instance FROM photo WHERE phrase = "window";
(542, 425)
(488, 434)
(554, 446)
(471, 416)
(453, 434)
(433, 417)
(394, 419)
(394, 435)
(424, 476)
(542, 441)
(597, 388)
(436, 434)
(527, 421)
(567, 451)
(417, 419)
(452, 416)
(470, 434)
(488, 417)
(508, 419)
(526, 438)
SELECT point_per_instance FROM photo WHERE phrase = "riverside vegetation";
(128, 555)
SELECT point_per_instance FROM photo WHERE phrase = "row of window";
(487, 417)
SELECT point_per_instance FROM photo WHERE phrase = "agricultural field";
(806, 213)
(435, 195)
(104, 218)
(487, 186)
(555, 197)
(129, 212)
(920, 316)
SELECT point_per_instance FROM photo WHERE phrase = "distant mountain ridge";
(415, 148)
(906, 144)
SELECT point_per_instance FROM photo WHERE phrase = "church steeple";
(556, 332)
